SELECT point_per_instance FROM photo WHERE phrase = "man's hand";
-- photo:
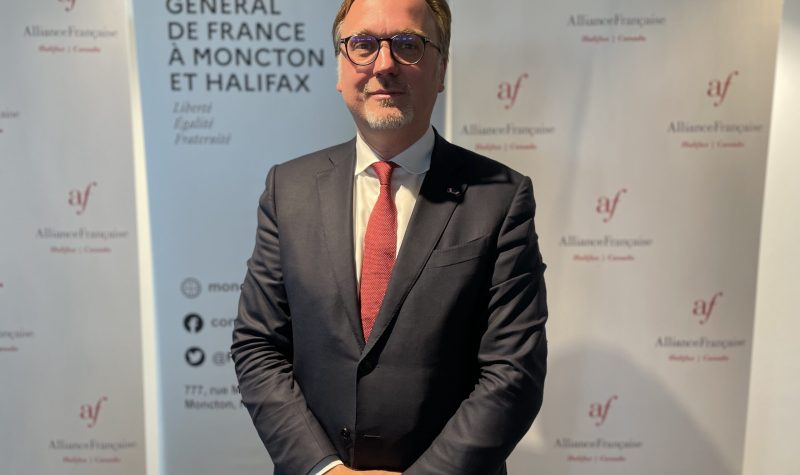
(342, 470)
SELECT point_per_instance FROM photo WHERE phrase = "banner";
(70, 345)
(228, 90)
(644, 126)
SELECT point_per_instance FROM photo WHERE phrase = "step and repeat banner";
(228, 90)
(644, 126)
(70, 344)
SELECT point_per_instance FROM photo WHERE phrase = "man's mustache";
(391, 86)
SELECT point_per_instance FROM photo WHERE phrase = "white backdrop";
(644, 126)
(70, 347)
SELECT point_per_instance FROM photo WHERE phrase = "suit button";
(345, 433)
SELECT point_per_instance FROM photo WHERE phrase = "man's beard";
(390, 115)
(399, 117)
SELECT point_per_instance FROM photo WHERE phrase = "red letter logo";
(599, 410)
(508, 92)
(703, 309)
(70, 4)
(607, 206)
(90, 412)
(719, 90)
(80, 199)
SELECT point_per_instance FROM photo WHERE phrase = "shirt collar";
(415, 160)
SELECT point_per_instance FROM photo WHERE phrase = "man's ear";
(442, 74)
(338, 74)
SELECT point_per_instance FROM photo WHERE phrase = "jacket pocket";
(458, 254)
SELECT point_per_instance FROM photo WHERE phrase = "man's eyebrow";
(404, 30)
(410, 30)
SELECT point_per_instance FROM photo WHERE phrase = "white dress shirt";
(413, 163)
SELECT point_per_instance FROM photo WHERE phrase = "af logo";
(598, 411)
(70, 4)
(704, 308)
(607, 205)
(90, 412)
(718, 89)
(80, 198)
(508, 92)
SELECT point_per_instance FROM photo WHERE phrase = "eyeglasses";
(406, 48)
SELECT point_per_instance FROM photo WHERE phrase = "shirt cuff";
(325, 465)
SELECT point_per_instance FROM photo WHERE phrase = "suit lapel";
(441, 191)
(335, 187)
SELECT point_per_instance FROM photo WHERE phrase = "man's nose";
(385, 62)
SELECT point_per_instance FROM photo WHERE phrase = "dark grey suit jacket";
(452, 375)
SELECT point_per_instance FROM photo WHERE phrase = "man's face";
(387, 94)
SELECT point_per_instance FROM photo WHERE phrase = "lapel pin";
(454, 191)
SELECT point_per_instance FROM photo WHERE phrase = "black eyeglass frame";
(425, 42)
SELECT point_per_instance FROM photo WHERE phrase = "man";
(392, 315)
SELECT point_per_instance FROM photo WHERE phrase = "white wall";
(774, 409)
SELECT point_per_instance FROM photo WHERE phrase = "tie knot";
(384, 171)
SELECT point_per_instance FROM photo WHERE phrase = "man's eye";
(408, 45)
(362, 44)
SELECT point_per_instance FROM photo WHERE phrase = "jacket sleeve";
(262, 353)
(512, 357)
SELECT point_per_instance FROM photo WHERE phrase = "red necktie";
(380, 243)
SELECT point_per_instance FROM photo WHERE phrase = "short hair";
(441, 16)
